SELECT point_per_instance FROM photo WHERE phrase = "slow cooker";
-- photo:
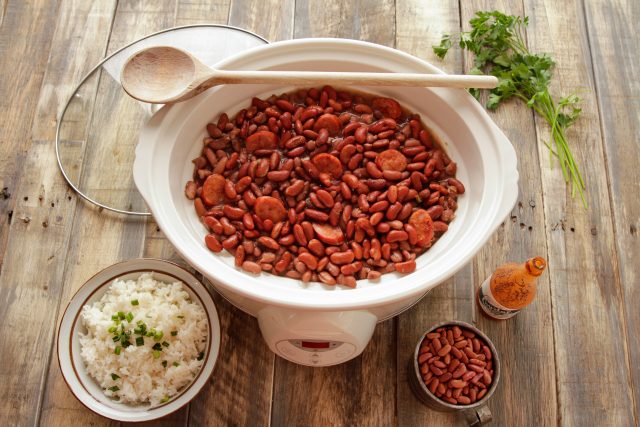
(313, 324)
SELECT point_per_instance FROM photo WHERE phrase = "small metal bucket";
(476, 413)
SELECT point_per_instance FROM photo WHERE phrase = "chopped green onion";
(140, 323)
(126, 344)
(158, 336)
(156, 354)
(180, 317)
(114, 388)
(121, 315)
(165, 399)
(164, 363)
(139, 341)
(157, 346)
(176, 364)
(116, 338)
(115, 317)
(112, 329)
(115, 377)
(165, 344)
(174, 333)
(201, 355)
(134, 302)
(117, 350)
(129, 317)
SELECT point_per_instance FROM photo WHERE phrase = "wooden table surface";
(572, 358)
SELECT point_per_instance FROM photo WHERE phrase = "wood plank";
(202, 12)
(615, 57)
(520, 237)
(367, 20)
(586, 287)
(252, 15)
(239, 392)
(420, 24)
(119, 237)
(23, 30)
(514, 240)
(43, 206)
(334, 395)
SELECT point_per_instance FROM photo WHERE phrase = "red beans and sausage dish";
(323, 185)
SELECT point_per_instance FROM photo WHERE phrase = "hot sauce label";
(489, 304)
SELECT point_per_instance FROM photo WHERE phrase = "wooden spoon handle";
(308, 78)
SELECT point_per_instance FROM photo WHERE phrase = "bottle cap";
(536, 265)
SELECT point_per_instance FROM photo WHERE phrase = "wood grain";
(270, 19)
(20, 32)
(526, 338)
(572, 358)
(585, 281)
(420, 25)
(118, 237)
(190, 12)
(31, 280)
(615, 58)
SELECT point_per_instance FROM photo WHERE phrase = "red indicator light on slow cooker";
(311, 344)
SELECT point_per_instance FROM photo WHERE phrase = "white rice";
(143, 378)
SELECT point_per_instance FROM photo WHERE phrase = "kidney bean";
(251, 267)
(405, 267)
(326, 198)
(340, 258)
(397, 235)
(309, 260)
(326, 278)
(355, 186)
(316, 247)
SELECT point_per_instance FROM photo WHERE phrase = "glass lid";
(99, 126)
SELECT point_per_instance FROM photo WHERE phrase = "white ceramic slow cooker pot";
(313, 324)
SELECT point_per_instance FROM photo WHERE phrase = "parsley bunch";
(497, 42)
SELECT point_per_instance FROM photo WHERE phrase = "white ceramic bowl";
(85, 388)
(486, 165)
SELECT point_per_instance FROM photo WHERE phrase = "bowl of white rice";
(139, 340)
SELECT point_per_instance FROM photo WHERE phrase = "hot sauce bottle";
(510, 288)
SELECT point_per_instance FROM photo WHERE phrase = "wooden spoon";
(163, 74)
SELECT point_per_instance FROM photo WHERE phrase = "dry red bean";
(460, 380)
(309, 260)
(326, 278)
(325, 197)
(250, 191)
(405, 267)
(233, 213)
(251, 267)
(212, 243)
(340, 258)
(268, 242)
(396, 236)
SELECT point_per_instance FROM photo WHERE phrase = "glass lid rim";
(66, 177)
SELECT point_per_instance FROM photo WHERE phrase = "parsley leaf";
(497, 42)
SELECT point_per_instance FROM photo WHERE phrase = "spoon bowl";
(164, 74)
(158, 73)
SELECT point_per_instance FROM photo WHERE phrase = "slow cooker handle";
(509, 164)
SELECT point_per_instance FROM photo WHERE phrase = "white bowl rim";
(359, 297)
(187, 394)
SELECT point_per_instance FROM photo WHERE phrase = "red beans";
(446, 369)
(320, 186)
